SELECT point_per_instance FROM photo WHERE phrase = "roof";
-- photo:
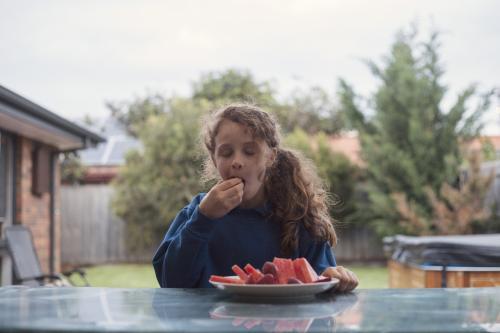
(113, 151)
(478, 142)
(23, 117)
(349, 145)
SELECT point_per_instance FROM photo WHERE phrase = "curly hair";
(292, 186)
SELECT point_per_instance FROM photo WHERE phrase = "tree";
(72, 168)
(231, 86)
(134, 114)
(163, 176)
(312, 110)
(455, 210)
(409, 142)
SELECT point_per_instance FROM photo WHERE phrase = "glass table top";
(209, 310)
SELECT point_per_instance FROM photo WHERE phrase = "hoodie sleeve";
(180, 258)
(319, 253)
(320, 256)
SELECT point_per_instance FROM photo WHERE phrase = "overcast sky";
(72, 56)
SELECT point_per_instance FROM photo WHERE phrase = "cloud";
(72, 55)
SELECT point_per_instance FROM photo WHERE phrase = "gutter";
(27, 107)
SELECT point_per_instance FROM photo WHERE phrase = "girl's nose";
(236, 164)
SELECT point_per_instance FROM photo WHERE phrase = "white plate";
(276, 290)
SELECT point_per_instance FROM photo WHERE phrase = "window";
(41, 171)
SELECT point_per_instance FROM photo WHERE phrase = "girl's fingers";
(347, 279)
(235, 200)
(236, 190)
(234, 196)
(353, 280)
(334, 273)
(228, 183)
(221, 198)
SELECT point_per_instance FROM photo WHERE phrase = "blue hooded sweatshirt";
(195, 247)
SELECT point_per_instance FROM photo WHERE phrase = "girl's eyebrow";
(223, 145)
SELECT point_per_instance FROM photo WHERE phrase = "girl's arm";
(181, 257)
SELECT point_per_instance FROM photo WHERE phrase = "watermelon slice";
(285, 269)
(304, 271)
(241, 273)
(226, 279)
(254, 275)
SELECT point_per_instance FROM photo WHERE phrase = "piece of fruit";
(267, 279)
(240, 272)
(270, 268)
(323, 279)
(293, 281)
(254, 274)
(304, 271)
(226, 279)
(285, 269)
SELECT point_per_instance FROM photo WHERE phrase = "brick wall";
(34, 211)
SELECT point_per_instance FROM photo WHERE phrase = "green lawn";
(142, 276)
(371, 277)
(122, 276)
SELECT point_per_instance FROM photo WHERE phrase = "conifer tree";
(410, 143)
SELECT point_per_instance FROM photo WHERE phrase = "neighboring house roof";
(101, 174)
(478, 143)
(113, 151)
(21, 116)
(347, 144)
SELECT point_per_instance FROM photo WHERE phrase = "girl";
(267, 203)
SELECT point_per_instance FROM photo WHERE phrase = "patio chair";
(27, 269)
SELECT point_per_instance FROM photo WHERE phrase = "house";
(349, 144)
(490, 142)
(32, 138)
(103, 161)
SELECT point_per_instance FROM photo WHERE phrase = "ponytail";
(296, 195)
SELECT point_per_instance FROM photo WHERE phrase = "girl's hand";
(222, 198)
(347, 279)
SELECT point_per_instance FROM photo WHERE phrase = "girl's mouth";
(242, 180)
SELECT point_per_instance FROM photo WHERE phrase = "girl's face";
(238, 154)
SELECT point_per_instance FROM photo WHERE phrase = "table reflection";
(207, 310)
(289, 315)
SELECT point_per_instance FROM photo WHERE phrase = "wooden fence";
(493, 196)
(358, 244)
(92, 234)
